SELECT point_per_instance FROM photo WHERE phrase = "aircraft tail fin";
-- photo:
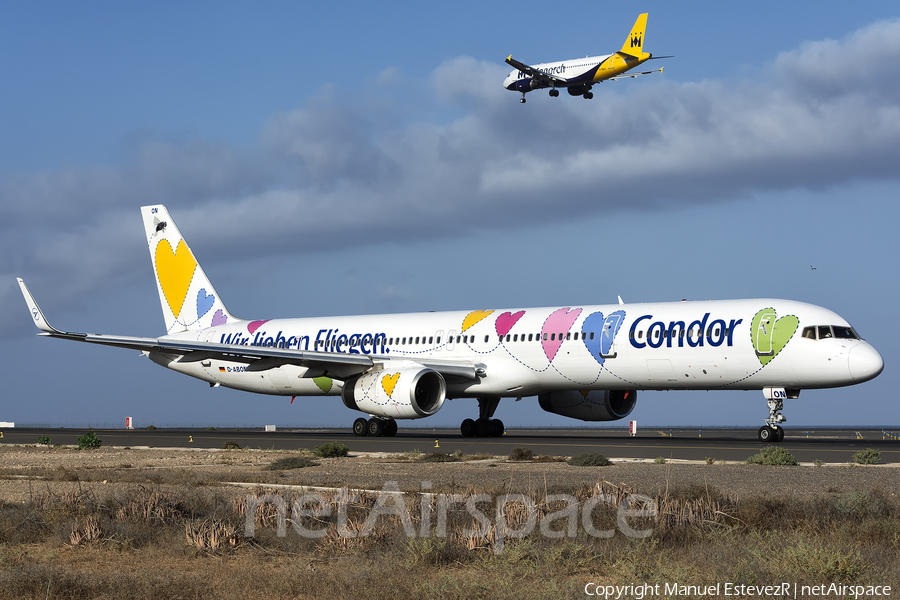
(634, 45)
(189, 301)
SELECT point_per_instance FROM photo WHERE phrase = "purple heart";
(219, 318)
(204, 302)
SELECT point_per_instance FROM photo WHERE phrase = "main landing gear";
(588, 95)
(772, 432)
(554, 93)
(375, 427)
(484, 426)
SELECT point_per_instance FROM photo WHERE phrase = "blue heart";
(204, 302)
(604, 330)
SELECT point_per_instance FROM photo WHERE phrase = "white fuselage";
(732, 344)
(575, 71)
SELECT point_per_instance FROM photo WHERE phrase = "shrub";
(232, 445)
(437, 457)
(660, 460)
(589, 460)
(89, 440)
(151, 427)
(44, 440)
(869, 456)
(331, 450)
(521, 454)
(292, 462)
(818, 462)
(212, 429)
(772, 455)
(710, 461)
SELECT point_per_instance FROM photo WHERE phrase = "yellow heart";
(174, 271)
(388, 382)
(473, 317)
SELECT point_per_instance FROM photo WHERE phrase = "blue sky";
(360, 157)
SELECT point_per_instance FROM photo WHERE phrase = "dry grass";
(149, 542)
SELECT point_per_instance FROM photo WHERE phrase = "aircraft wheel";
(496, 427)
(390, 428)
(589, 96)
(522, 100)
(482, 428)
(766, 434)
(779, 434)
(467, 429)
(375, 427)
(360, 427)
(554, 93)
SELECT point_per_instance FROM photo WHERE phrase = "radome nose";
(865, 362)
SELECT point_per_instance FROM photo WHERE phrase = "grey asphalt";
(829, 445)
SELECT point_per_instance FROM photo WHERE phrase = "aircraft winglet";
(39, 319)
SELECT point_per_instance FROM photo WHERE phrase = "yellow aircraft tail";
(633, 46)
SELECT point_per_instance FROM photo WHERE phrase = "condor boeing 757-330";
(583, 362)
(579, 75)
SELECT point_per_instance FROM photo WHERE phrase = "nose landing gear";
(772, 432)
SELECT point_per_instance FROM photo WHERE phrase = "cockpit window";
(824, 332)
(844, 333)
(809, 333)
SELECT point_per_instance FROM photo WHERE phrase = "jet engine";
(409, 392)
(596, 405)
(578, 90)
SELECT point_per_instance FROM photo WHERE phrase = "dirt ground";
(25, 471)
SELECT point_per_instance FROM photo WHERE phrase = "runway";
(828, 445)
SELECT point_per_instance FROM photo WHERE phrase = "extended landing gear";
(588, 95)
(375, 427)
(522, 99)
(484, 426)
(554, 93)
(770, 435)
(772, 432)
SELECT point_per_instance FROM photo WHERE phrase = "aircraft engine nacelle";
(597, 405)
(401, 393)
(528, 84)
(578, 90)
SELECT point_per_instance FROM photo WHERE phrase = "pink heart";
(506, 321)
(559, 322)
(254, 325)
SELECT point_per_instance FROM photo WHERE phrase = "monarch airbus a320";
(583, 362)
(579, 75)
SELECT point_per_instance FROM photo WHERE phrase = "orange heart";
(174, 271)
(473, 317)
(388, 382)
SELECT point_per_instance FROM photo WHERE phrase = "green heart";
(770, 335)
(324, 383)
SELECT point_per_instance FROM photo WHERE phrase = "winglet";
(634, 45)
(39, 319)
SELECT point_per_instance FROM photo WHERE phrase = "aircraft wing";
(337, 365)
(535, 74)
(633, 75)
